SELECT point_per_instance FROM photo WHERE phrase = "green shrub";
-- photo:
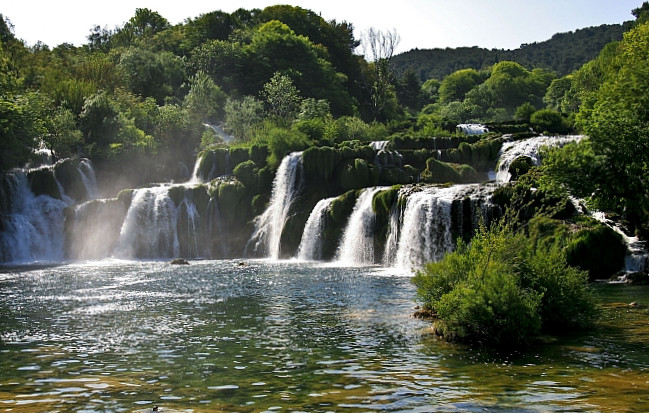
(282, 142)
(548, 120)
(520, 166)
(501, 290)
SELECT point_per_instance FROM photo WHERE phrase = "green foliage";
(548, 120)
(562, 54)
(615, 118)
(242, 116)
(281, 142)
(455, 86)
(205, 99)
(150, 74)
(22, 122)
(501, 291)
(524, 112)
(282, 97)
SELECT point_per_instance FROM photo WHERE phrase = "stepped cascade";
(52, 213)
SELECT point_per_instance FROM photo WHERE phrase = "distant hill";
(563, 53)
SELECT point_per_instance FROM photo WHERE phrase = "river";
(259, 335)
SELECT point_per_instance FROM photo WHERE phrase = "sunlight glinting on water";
(265, 335)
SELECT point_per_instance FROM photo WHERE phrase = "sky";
(423, 24)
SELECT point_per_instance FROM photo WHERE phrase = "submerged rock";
(179, 261)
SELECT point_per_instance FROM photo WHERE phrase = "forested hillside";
(562, 54)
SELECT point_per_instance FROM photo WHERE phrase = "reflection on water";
(215, 335)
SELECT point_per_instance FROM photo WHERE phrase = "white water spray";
(527, 147)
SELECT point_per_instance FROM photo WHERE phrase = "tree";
(379, 47)
(455, 86)
(617, 120)
(282, 97)
(524, 112)
(241, 116)
(150, 74)
(205, 99)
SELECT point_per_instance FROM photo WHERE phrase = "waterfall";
(215, 233)
(357, 246)
(149, 229)
(87, 174)
(637, 258)
(472, 128)
(311, 244)
(187, 227)
(431, 221)
(269, 225)
(392, 241)
(379, 145)
(93, 229)
(527, 147)
(31, 227)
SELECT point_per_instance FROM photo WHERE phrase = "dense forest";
(142, 101)
(561, 54)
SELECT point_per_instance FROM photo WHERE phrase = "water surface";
(268, 336)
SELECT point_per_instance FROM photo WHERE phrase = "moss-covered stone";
(247, 173)
(468, 174)
(358, 173)
(67, 174)
(258, 154)
(177, 194)
(42, 182)
(238, 155)
(383, 201)
(396, 176)
(341, 207)
(259, 203)
(439, 172)
(231, 195)
(125, 196)
(599, 250)
(320, 162)
(213, 163)
(265, 177)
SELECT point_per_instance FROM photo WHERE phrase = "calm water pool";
(268, 336)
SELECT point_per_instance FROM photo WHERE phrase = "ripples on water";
(216, 335)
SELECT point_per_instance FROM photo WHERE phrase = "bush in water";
(502, 290)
